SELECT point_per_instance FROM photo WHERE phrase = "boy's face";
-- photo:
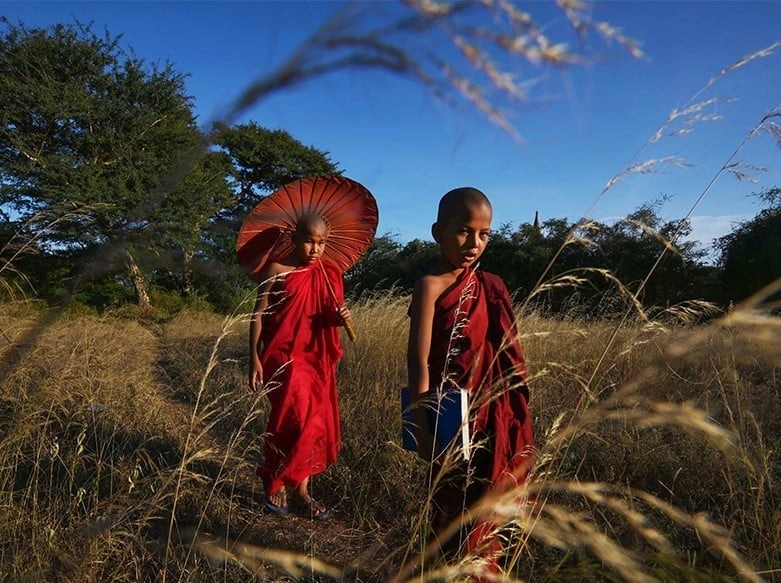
(310, 243)
(464, 237)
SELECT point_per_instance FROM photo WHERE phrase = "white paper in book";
(454, 416)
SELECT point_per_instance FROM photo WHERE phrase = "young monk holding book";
(294, 350)
(463, 333)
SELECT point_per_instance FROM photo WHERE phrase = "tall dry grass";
(128, 450)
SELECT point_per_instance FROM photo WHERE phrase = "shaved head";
(455, 202)
(309, 222)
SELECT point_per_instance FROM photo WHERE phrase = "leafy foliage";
(264, 160)
(750, 256)
(558, 250)
(83, 124)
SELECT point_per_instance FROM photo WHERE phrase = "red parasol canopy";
(347, 206)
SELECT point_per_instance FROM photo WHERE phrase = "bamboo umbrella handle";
(347, 325)
(350, 330)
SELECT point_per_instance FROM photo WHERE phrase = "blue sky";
(585, 124)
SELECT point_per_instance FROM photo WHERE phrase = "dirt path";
(227, 515)
(231, 519)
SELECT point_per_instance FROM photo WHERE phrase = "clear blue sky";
(586, 124)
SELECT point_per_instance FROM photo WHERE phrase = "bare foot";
(315, 509)
(277, 502)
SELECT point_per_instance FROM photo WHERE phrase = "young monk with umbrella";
(297, 243)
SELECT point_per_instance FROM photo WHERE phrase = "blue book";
(448, 417)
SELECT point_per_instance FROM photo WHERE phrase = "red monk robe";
(475, 344)
(300, 352)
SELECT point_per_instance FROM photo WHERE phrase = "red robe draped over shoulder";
(475, 345)
(300, 352)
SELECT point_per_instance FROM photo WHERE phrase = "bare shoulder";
(271, 273)
(431, 283)
(275, 268)
(429, 287)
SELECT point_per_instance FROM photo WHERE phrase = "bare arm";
(256, 326)
(418, 348)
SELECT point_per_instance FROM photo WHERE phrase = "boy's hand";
(423, 435)
(425, 444)
(255, 377)
(344, 314)
(345, 317)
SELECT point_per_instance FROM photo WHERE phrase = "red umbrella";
(348, 207)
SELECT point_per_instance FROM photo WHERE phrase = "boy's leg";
(457, 491)
(302, 491)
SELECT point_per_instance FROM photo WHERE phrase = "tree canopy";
(750, 255)
(102, 166)
(86, 126)
(83, 124)
(563, 266)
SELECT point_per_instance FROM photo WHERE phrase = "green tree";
(750, 256)
(593, 256)
(649, 256)
(264, 160)
(415, 259)
(260, 161)
(84, 124)
(379, 268)
(184, 228)
(389, 264)
(521, 256)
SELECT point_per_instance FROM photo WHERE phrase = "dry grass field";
(128, 447)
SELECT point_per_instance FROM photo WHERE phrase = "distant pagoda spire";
(537, 227)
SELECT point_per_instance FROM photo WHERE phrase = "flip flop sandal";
(314, 510)
(275, 509)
